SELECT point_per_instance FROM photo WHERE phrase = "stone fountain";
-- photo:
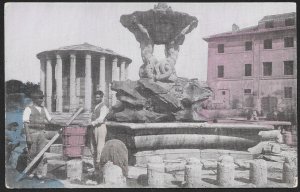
(160, 95)
(162, 110)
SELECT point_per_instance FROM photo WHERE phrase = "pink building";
(255, 66)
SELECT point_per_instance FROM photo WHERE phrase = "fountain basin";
(179, 135)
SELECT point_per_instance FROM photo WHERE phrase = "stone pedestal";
(156, 172)
(258, 172)
(287, 138)
(289, 171)
(193, 170)
(225, 171)
(74, 169)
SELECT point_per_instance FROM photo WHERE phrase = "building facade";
(256, 66)
(70, 75)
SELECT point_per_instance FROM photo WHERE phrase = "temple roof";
(84, 47)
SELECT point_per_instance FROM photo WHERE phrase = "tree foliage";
(15, 86)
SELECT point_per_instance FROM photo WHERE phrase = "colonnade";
(118, 74)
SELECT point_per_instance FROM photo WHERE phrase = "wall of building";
(234, 59)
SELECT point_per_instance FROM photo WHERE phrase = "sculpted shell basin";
(163, 25)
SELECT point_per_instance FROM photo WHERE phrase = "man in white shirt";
(97, 128)
(34, 118)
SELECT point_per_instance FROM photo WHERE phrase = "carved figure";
(165, 69)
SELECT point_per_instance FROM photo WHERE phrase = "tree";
(14, 86)
(30, 87)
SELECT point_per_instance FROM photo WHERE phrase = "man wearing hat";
(35, 117)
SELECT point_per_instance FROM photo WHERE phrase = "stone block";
(289, 171)
(53, 156)
(225, 171)
(193, 171)
(156, 174)
(57, 168)
(74, 169)
(113, 175)
(258, 172)
(56, 148)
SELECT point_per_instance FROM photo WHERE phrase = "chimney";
(235, 27)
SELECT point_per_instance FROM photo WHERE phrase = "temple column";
(115, 77)
(72, 82)
(122, 71)
(49, 84)
(102, 74)
(88, 83)
(59, 92)
(126, 71)
(42, 75)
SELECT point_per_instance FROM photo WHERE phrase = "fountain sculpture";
(160, 95)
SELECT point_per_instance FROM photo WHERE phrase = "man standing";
(97, 128)
(35, 117)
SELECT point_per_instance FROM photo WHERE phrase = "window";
(289, 22)
(248, 69)
(288, 92)
(223, 92)
(220, 48)
(269, 24)
(288, 67)
(268, 44)
(247, 91)
(267, 68)
(248, 45)
(221, 71)
(288, 42)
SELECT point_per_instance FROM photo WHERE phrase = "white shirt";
(103, 112)
(27, 113)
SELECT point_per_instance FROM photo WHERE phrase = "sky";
(31, 28)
